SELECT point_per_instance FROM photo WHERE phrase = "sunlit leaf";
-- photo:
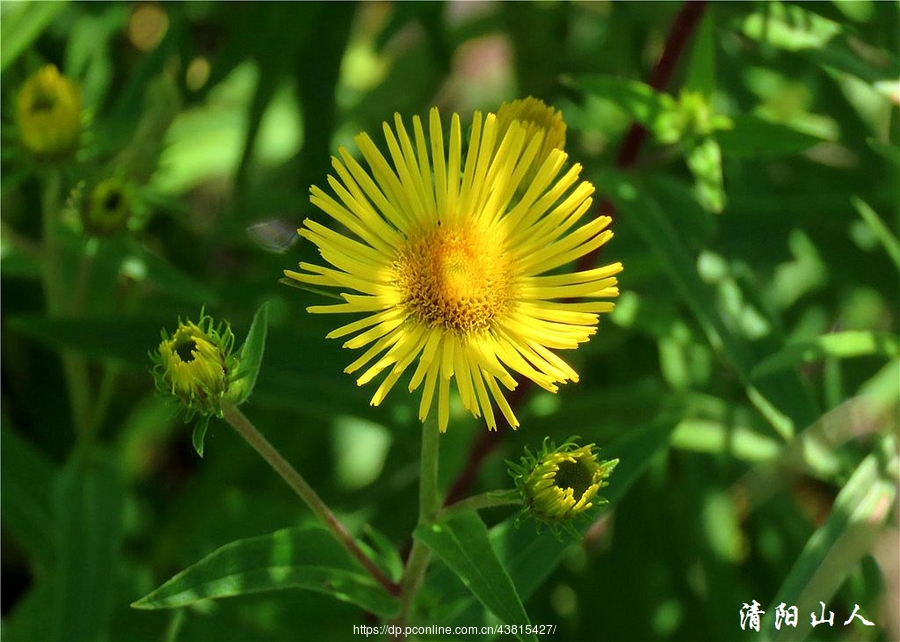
(840, 345)
(854, 525)
(22, 23)
(462, 543)
(293, 558)
(656, 110)
(789, 27)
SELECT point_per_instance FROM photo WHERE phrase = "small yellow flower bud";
(108, 207)
(195, 365)
(535, 117)
(48, 114)
(559, 484)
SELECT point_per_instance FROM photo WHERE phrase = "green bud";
(48, 115)
(108, 207)
(558, 484)
(195, 366)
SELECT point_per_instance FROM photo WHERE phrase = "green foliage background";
(748, 381)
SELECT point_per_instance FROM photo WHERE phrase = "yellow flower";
(48, 113)
(558, 484)
(447, 259)
(195, 365)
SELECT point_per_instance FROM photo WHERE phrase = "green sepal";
(250, 358)
(199, 433)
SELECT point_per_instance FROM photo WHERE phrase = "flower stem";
(429, 504)
(289, 474)
(429, 500)
(55, 290)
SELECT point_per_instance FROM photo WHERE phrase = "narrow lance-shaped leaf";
(701, 73)
(888, 240)
(26, 506)
(462, 543)
(199, 433)
(305, 558)
(22, 24)
(251, 356)
(89, 503)
(838, 345)
(855, 523)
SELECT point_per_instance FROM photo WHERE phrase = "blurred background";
(748, 381)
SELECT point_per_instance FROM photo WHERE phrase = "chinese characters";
(751, 616)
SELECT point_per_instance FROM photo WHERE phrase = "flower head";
(559, 483)
(108, 207)
(447, 257)
(48, 114)
(195, 365)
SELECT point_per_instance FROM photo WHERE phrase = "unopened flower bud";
(48, 115)
(108, 207)
(535, 117)
(560, 483)
(195, 365)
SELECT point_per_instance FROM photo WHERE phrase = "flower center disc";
(457, 278)
(575, 475)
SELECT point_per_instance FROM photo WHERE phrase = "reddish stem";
(682, 29)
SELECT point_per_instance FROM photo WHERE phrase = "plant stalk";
(429, 505)
(74, 366)
(289, 474)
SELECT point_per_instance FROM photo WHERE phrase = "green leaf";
(22, 23)
(753, 136)
(386, 554)
(839, 345)
(28, 618)
(856, 522)
(783, 401)
(463, 545)
(789, 27)
(657, 111)
(26, 507)
(299, 558)
(888, 240)
(123, 340)
(251, 356)
(165, 276)
(199, 433)
(89, 502)
(19, 257)
(890, 153)
(705, 163)
(701, 72)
